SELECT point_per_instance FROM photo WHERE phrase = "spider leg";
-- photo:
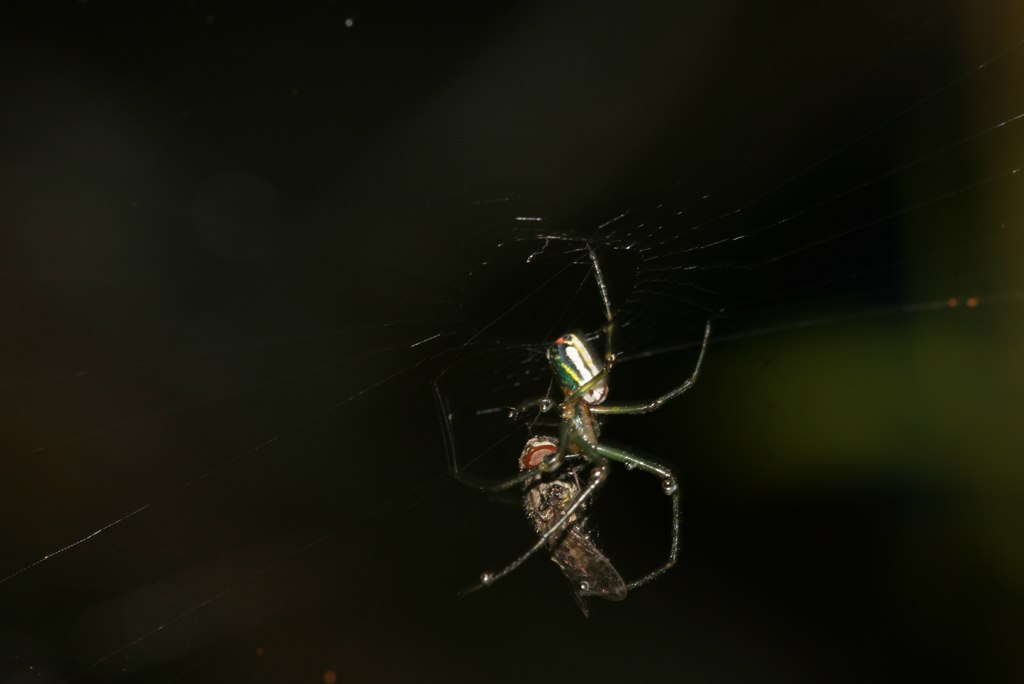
(598, 476)
(609, 328)
(655, 404)
(669, 485)
(480, 483)
(550, 464)
(543, 404)
(488, 485)
(588, 385)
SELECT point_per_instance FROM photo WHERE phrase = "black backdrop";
(239, 241)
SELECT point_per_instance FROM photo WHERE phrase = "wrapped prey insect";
(546, 498)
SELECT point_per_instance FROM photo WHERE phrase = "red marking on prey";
(533, 457)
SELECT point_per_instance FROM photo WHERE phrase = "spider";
(584, 383)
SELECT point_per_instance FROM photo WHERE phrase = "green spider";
(584, 384)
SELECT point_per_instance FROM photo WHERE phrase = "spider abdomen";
(574, 366)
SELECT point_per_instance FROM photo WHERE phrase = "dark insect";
(546, 498)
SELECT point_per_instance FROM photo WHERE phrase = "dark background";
(225, 227)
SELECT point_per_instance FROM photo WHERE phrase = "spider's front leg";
(655, 404)
(609, 328)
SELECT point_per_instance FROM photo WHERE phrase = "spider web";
(233, 281)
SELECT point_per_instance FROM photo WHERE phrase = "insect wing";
(589, 570)
(545, 502)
